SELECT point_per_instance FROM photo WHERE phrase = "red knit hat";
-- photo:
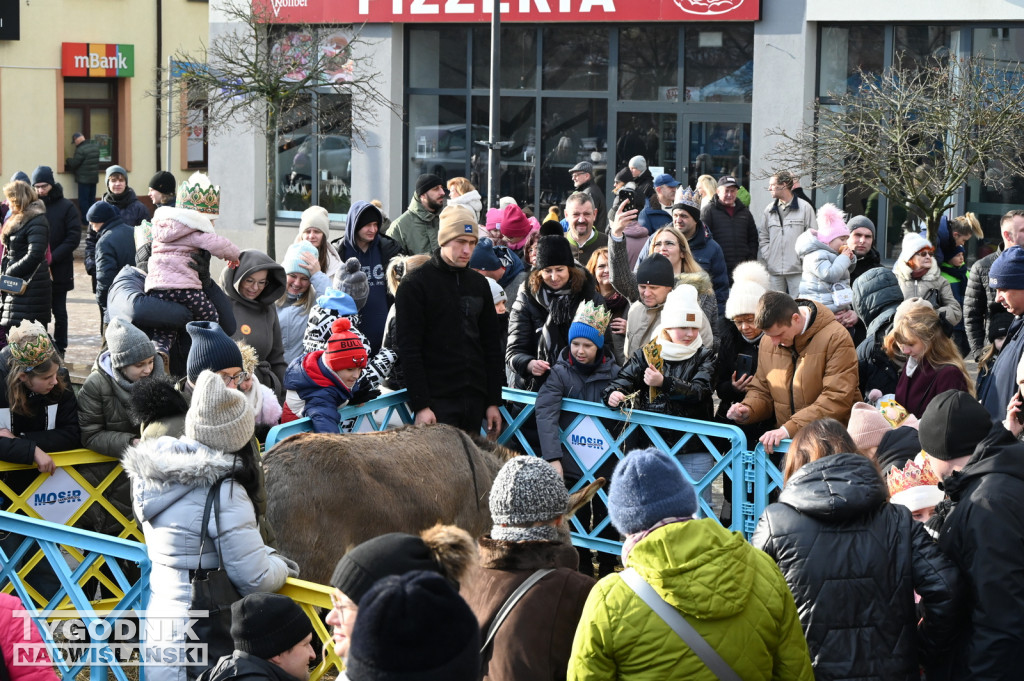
(344, 349)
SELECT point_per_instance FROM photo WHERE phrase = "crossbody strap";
(510, 603)
(213, 496)
(708, 655)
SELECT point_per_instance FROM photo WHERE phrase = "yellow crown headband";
(29, 345)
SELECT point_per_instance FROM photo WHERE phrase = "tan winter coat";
(815, 379)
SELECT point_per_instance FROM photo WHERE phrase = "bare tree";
(257, 74)
(916, 133)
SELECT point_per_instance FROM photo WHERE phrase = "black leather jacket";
(686, 391)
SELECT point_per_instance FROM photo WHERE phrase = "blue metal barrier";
(90, 551)
(753, 474)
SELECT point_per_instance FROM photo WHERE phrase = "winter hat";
(426, 182)
(952, 425)
(111, 170)
(414, 627)
(656, 270)
(264, 624)
(338, 301)
(867, 426)
(682, 309)
(43, 174)
(906, 306)
(554, 251)
(647, 486)
(861, 222)
(914, 486)
(750, 281)
(344, 349)
(1007, 271)
(551, 228)
(29, 344)
(513, 223)
(590, 322)
(912, 244)
(163, 182)
(352, 280)
(526, 490)
(639, 163)
(456, 220)
(831, 223)
(624, 175)
(20, 176)
(127, 344)
(315, 216)
(368, 215)
(498, 293)
(959, 250)
(506, 201)
(293, 262)
(484, 257)
(493, 219)
(389, 554)
(218, 416)
(102, 212)
(211, 349)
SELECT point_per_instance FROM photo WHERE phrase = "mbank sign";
(97, 60)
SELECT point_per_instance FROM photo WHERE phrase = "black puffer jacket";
(733, 346)
(853, 562)
(533, 333)
(736, 233)
(65, 235)
(866, 263)
(984, 535)
(876, 295)
(686, 391)
(978, 300)
(26, 237)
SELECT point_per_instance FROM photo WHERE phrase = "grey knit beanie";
(526, 490)
(219, 417)
(861, 221)
(352, 280)
(127, 344)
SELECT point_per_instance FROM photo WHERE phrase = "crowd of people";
(893, 547)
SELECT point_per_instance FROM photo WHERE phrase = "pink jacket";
(12, 632)
(177, 235)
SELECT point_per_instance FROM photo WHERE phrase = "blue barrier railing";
(753, 474)
(75, 557)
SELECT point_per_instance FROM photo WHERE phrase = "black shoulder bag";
(213, 592)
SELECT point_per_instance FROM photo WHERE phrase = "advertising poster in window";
(332, 50)
(106, 148)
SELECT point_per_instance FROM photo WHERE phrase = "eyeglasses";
(743, 321)
(238, 379)
(343, 607)
(666, 244)
(925, 252)
(41, 185)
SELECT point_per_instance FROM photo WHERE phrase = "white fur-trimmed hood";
(192, 219)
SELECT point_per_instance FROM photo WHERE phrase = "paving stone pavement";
(84, 339)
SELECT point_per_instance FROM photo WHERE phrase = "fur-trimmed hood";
(191, 219)
(17, 220)
(903, 272)
(699, 280)
(164, 470)
(526, 555)
(452, 548)
(155, 398)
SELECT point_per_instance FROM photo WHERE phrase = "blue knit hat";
(20, 176)
(648, 486)
(591, 322)
(1008, 270)
(337, 301)
(211, 349)
(484, 257)
(102, 212)
(293, 262)
(43, 174)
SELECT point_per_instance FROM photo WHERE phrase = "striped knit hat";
(344, 349)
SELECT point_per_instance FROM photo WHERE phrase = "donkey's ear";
(578, 500)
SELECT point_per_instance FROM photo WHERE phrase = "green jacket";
(415, 230)
(732, 593)
(85, 164)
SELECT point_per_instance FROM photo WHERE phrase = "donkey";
(327, 493)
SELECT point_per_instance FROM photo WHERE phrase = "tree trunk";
(271, 143)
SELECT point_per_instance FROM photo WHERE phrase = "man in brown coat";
(806, 368)
(528, 501)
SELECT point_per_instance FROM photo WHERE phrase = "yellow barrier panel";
(311, 596)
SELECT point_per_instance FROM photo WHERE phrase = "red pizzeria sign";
(533, 11)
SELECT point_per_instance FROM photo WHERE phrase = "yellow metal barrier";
(309, 595)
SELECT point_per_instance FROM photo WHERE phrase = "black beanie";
(656, 270)
(554, 251)
(211, 349)
(426, 182)
(389, 554)
(265, 625)
(43, 174)
(102, 212)
(953, 425)
(414, 627)
(551, 228)
(367, 215)
(163, 182)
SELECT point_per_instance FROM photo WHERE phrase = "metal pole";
(494, 122)
(170, 109)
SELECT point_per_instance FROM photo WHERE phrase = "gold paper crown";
(249, 357)
(596, 316)
(30, 346)
(689, 197)
(912, 475)
(198, 194)
(894, 412)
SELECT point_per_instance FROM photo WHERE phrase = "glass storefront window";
(572, 130)
(719, 63)
(915, 44)
(440, 57)
(437, 136)
(575, 57)
(720, 149)
(90, 107)
(844, 49)
(519, 150)
(651, 135)
(649, 63)
(315, 159)
(518, 57)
